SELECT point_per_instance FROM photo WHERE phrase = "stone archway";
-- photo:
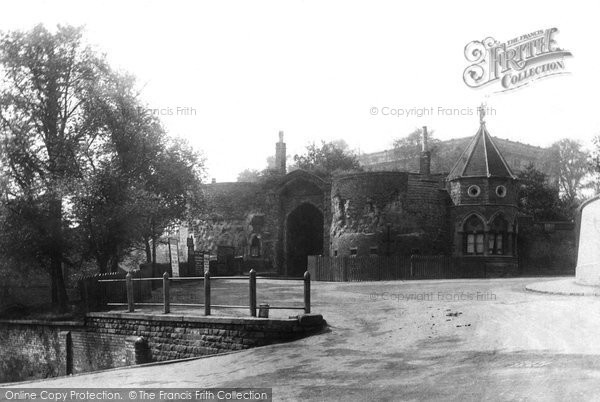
(304, 237)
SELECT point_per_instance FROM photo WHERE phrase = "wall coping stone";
(196, 319)
(45, 322)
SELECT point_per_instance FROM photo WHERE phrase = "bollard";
(263, 311)
(129, 288)
(253, 293)
(307, 292)
(69, 350)
(166, 293)
(142, 351)
(207, 293)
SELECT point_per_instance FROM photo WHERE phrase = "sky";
(229, 75)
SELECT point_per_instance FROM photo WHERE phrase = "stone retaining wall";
(41, 349)
(171, 337)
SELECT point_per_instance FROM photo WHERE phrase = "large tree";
(49, 82)
(411, 145)
(140, 183)
(408, 149)
(538, 197)
(327, 159)
(568, 168)
(249, 176)
(85, 169)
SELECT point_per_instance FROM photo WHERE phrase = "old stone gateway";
(304, 237)
(274, 224)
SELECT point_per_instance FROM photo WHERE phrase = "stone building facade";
(484, 209)
(471, 213)
(517, 154)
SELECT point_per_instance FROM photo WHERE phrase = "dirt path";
(421, 340)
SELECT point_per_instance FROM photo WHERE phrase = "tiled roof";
(481, 158)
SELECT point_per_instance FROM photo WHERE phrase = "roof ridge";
(485, 151)
(462, 154)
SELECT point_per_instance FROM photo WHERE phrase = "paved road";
(417, 340)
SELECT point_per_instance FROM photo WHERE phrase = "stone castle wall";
(235, 214)
(387, 213)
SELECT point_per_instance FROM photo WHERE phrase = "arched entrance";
(304, 237)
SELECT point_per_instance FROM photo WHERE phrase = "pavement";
(409, 340)
(564, 286)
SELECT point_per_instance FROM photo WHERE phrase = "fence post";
(129, 288)
(253, 292)
(166, 293)
(307, 292)
(412, 268)
(207, 293)
(344, 269)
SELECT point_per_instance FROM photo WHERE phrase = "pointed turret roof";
(481, 158)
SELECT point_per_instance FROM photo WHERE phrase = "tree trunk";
(114, 266)
(148, 250)
(153, 254)
(59, 292)
(102, 261)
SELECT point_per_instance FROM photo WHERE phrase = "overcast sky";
(315, 69)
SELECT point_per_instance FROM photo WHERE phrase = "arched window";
(473, 236)
(255, 247)
(497, 239)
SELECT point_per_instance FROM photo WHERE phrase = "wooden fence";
(381, 268)
(96, 294)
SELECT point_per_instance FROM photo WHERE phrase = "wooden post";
(166, 293)
(207, 293)
(253, 292)
(307, 292)
(344, 269)
(129, 288)
(191, 257)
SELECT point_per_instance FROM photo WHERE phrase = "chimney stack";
(425, 159)
(280, 155)
(213, 181)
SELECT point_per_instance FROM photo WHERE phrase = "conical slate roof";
(481, 158)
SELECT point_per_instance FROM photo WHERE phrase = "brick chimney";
(280, 156)
(425, 159)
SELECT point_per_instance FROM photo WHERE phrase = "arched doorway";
(304, 237)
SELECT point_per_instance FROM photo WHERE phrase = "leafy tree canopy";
(327, 159)
(85, 171)
(538, 197)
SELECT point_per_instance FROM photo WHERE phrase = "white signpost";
(206, 262)
(174, 257)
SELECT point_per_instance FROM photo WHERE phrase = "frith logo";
(514, 63)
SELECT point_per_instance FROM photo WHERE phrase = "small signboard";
(174, 257)
(206, 261)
